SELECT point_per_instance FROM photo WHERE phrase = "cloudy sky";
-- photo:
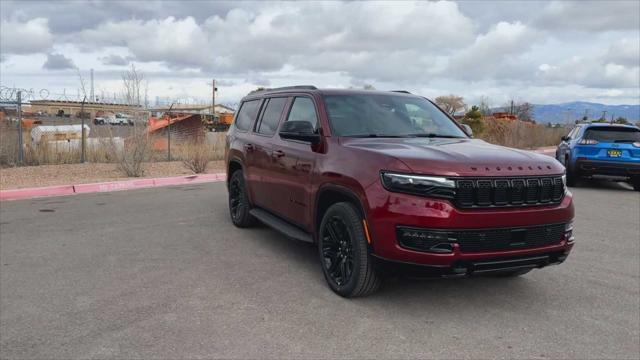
(542, 52)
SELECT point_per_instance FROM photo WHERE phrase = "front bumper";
(587, 167)
(388, 210)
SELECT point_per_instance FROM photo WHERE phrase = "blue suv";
(610, 150)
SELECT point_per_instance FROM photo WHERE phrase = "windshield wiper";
(433, 135)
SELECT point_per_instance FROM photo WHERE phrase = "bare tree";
(485, 105)
(523, 110)
(451, 103)
(132, 83)
(83, 85)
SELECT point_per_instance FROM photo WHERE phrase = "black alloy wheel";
(337, 251)
(238, 204)
(344, 252)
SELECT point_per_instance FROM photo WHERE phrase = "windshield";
(385, 115)
(612, 134)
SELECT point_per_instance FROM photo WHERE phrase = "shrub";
(137, 150)
(196, 156)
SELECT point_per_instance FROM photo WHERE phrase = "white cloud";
(535, 50)
(625, 52)
(58, 62)
(498, 53)
(28, 37)
(592, 71)
(590, 15)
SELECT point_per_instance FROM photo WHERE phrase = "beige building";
(73, 108)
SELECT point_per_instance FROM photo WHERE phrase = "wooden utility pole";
(213, 97)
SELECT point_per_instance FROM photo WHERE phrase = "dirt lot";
(48, 175)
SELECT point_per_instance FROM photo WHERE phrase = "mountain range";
(571, 111)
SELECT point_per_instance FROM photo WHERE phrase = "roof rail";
(401, 91)
(297, 87)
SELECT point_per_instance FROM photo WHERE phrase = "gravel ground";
(48, 175)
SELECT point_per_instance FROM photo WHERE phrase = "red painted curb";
(28, 193)
(19, 194)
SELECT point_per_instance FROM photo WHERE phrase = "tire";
(514, 273)
(571, 176)
(238, 202)
(635, 182)
(344, 254)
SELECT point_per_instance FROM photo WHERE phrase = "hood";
(459, 157)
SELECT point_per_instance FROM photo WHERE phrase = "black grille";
(481, 239)
(499, 192)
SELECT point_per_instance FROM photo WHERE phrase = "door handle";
(249, 147)
(277, 154)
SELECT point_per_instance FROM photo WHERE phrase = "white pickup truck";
(119, 119)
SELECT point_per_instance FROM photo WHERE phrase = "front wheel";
(570, 175)
(344, 253)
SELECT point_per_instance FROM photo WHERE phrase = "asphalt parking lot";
(162, 273)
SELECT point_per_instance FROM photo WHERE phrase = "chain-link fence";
(36, 131)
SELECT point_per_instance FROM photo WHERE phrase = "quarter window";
(303, 110)
(271, 116)
(247, 114)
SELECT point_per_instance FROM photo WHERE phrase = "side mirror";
(467, 129)
(299, 130)
(565, 138)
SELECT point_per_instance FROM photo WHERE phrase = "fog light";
(568, 232)
(425, 240)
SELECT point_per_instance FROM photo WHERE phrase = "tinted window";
(247, 114)
(271, 116)
(388, 115)
(612, 134)
(303, 110)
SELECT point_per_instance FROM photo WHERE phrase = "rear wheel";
(344, 252)
(635, 182)
(238, 202)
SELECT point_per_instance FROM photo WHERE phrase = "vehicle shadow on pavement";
(482, 292)
(602, 184)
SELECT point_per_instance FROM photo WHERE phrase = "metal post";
(82, 157)
(20, 145)
(169, 134)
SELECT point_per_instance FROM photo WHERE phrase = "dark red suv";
(387, 177)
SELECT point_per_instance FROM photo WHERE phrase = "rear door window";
(247, 114)
(612, 134)
(271, 116)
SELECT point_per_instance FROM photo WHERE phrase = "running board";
(281, 225)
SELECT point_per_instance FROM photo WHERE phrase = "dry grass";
(8, 146)
(520, 134)
(65, 174)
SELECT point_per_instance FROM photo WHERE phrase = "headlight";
(419, 185)
(564, 180)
